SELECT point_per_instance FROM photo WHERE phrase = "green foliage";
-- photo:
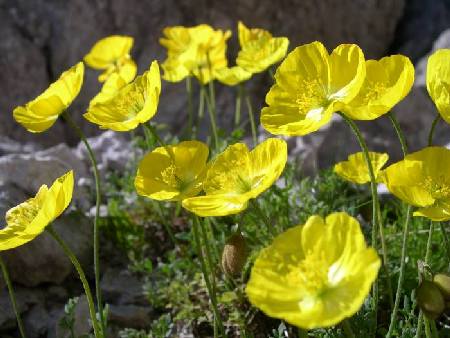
(176, 289)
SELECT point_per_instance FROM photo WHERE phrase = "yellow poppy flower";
(173, 172)
(131, 105)
(438, 81)
(422, 179)
(27, 220)
(314, 275)
(112, 54)
(233, 75)
(387, 82)
(41, 113)
(310, 85)
(355, 168)
(259, 49)
(109, 89)
(237, 175)
(198, 51)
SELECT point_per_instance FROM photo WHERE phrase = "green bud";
(430, 300)
(443, 283)
(234, 255)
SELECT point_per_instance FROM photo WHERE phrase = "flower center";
(311, 99)
(23, 214)
(132, 102)
(374, 91)
(311, 275)
(438, 188)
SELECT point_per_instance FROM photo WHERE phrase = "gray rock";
(42, 260)
(27, 172)
(26, 298)
(42, 38)
(122, 287)
(35, 321)
(131, 316)
(113, 151)
(81, 325)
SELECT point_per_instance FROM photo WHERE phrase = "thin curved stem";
(12, 296)
(302, 333)
(446, 241)
(348, 329)
(212, 295)
(190, 106)
(93, 160)
(400, 135)
(87, 289)
(433, 127)
(263, 216)
(375, 203)
(401, 276)
(211, 103)
(251, 116)
(153, 131)
(237, 111)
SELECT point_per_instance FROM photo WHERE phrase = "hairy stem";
(87, 289)
(93, 160)
(12, 296)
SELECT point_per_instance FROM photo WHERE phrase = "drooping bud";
(430, 299)
(234, 255)
(443, 283)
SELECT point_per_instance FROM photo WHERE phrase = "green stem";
(87, 289)
(263, 216)
(302, 333)
(386, 268)
(427, 259)
(212, 296)
(434, 331)
(12, 296)
(400, 135)
(375, 202)
(211, 103)
(209, 259)
(348, 329)
(251, 116)
(200, 111)
(430, 236)
(96, 218)
(427, 329)
(153, 131)
(433, 127)
(190, 106)
(401, 276)
(237, 111)
(446, 241)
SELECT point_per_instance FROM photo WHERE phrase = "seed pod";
(430, 299)
(234, 255)
(443, 283)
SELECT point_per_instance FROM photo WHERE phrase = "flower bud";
(443, 283)
(430, 300)
(234, 255)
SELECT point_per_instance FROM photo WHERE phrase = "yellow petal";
(259, 50)
(387, 82)
(174, 172)
(355, 168)
(216, 205)
(314, 275)
(30, 218)
(232, 76)
(131, 105)
(422, 179)
(108, 50)
(41, 113)
(438, 81)
(310, 85)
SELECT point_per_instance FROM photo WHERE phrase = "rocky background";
(41, 38)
